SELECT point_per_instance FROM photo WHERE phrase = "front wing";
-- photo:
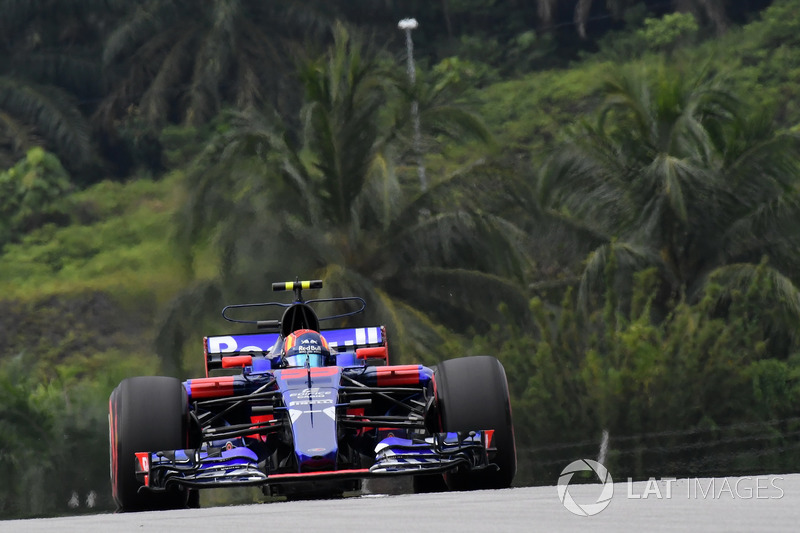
(237, 465)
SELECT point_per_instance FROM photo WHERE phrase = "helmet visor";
(314, 359)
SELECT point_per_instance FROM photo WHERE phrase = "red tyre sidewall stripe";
(438, 402)
(113, 437)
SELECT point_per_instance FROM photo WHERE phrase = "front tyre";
(148, 413)
(472, 394)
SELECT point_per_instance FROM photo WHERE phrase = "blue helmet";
(306, 345)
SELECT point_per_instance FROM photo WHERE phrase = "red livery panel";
(237, 361)
(390, 376)
(276, 478)
(212, 387)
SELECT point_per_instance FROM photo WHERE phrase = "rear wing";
(341, 341)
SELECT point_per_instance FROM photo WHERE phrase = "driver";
(307, 345)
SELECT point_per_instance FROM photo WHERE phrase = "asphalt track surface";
(763, 503)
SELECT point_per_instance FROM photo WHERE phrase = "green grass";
(526, 115)
(121, 243)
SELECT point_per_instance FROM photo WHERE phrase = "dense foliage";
(604, 195)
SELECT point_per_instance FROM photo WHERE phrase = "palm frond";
(18, 134)
(460, 297)
(754, 148)
(780, 291)
(213, 61)
(80, 73)
(578, 185)
(54, 115)
(769, 227)
(156, 100)
(475, 240)
(145, 20)
(626, 98)
(627, 257)
(454, 123)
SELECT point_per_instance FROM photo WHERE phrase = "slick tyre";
(145, 414)
(472, 394)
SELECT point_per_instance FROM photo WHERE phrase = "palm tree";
(182, 61)
(333, 204)
(675, 173)
(49, 70)
(713, 9)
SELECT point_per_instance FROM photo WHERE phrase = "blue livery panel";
(343, 341)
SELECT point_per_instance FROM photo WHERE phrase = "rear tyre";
(472, 394)
(147, 413)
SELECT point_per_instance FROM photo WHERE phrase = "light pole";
(407, 25)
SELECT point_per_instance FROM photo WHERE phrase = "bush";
(670, 32)
(30, 193)
(701, 393)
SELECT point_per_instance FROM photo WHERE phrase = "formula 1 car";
(305, 412)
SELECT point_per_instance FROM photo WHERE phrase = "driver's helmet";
(306, 345)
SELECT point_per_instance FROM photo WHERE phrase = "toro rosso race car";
(308, 412)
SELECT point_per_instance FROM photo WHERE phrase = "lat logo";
(586, 509)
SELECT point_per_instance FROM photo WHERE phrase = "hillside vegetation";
(614, 217)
